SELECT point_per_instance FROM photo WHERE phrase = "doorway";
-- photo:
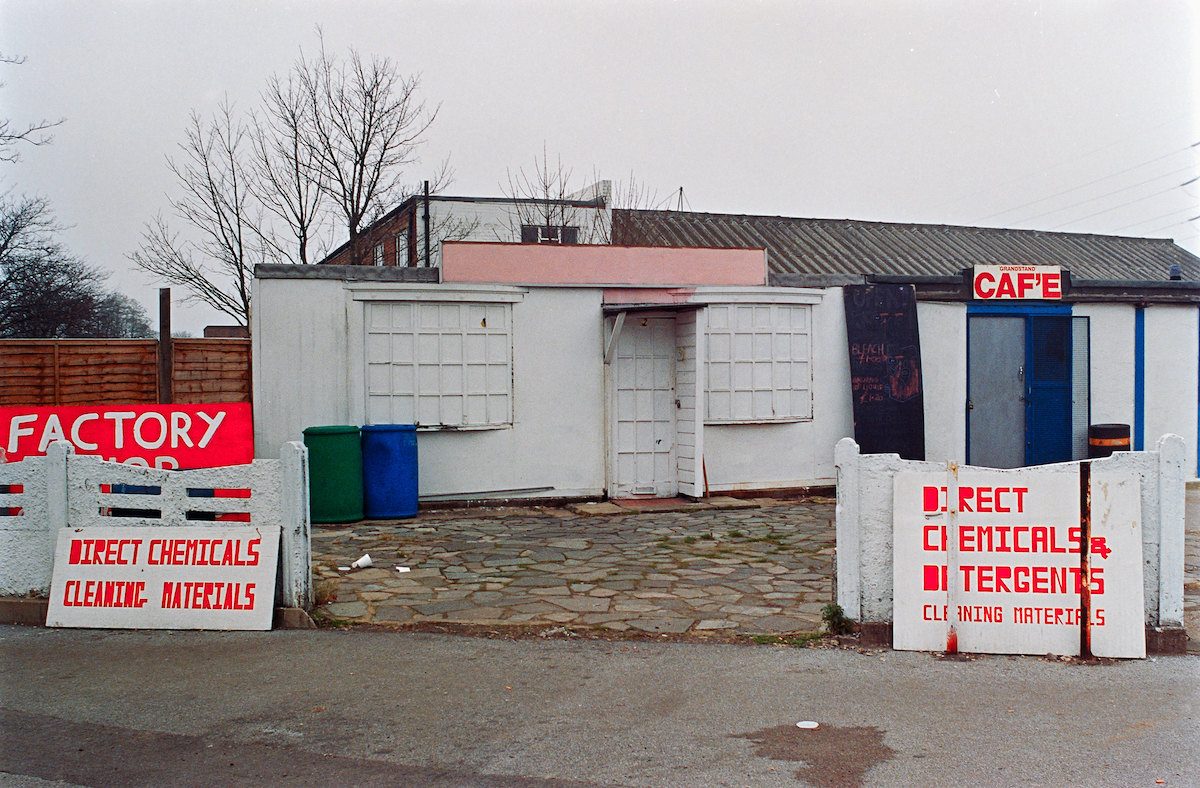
(643, 402)
(1027, 389)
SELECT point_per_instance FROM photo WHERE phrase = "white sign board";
(1017, 282)
(988, 561)
(209, 577)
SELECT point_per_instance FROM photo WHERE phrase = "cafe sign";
(1017, 283)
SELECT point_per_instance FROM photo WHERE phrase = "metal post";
(166, 358)
(1085, 561)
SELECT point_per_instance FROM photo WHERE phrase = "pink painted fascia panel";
(656, 295)
(546, 264)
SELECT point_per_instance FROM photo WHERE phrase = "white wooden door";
(643, 410)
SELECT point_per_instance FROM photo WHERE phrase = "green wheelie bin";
(335, 474)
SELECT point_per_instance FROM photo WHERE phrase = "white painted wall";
(1111, 327)
(798, 454)
(299, 351)
(501, 221)
(308, 346)
(307, 343)
(943, 330)
(63, 489)
(27, 540)
(557, 438)
(1172, 356)
(864, 526)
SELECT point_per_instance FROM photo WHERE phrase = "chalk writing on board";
(885, 369)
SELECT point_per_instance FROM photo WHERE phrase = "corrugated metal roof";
(848, 246)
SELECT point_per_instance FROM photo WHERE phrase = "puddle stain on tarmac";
(831, 756)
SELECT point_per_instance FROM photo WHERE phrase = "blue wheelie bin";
(389, 453)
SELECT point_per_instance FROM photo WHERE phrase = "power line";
(1155, 218)
(1118, 207)
(1090, 183)
(1162, 227)
(1187, 168)
(1020, 179)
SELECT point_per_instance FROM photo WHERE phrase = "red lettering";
(983, 499)
(1051, 286)
(930, 499)
(965, 494)
(985, 278)
(1020, 493)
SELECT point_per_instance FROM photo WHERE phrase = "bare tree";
(118, 315)
(446, 227)
(47, 292)
(35, 133)
(366, 123)
(548, 197)
(220, 209)
(332, 137)
(627, 194)
(541, 198)
(286, 165)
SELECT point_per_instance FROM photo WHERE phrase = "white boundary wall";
(864, 525)
(62, 490)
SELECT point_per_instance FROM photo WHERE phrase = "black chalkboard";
(885, 370)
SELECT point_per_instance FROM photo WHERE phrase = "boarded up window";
(439, 364)
(758, 363)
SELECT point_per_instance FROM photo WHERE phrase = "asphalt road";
(373, 708)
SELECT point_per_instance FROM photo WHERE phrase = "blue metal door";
(1048, 407)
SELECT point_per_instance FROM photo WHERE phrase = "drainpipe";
(428, 260)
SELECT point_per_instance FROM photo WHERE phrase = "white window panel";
(758, 363)
(439, 364)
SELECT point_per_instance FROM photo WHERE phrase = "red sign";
(160, 436)
(1017, 282)
(1000, 562)
(210, 577)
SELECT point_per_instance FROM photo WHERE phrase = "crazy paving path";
(764, 569)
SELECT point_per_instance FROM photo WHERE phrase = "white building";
(580, 371)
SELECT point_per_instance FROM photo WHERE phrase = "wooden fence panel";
(114, 371)
(211, 370)
(78, 371)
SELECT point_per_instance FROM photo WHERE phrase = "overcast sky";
(1077, 116)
